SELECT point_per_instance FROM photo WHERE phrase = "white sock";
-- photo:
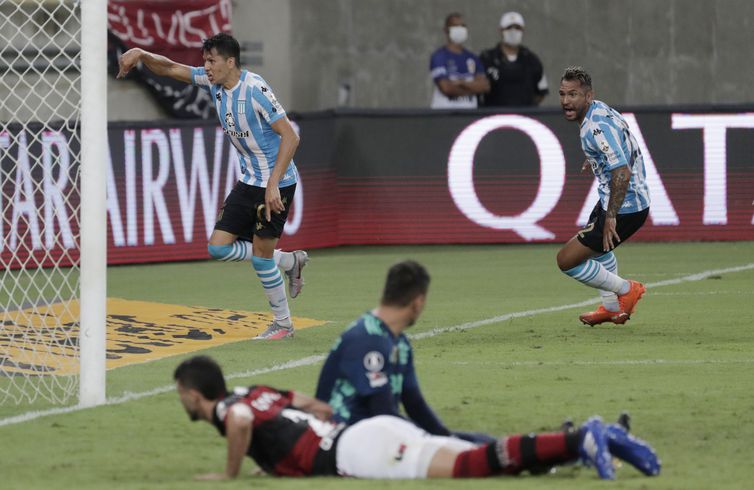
(609, 298)
(592, 273)
(285, 260)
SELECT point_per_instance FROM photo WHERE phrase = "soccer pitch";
(499, 349)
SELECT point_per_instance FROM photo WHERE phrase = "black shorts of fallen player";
(243, 212)
(625, 225)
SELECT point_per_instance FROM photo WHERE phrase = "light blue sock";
(233, 252)
(274, 287)
(240, 250)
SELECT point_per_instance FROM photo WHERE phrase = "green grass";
(683, 366)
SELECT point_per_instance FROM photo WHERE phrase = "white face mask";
(513, 37)
(458, 34)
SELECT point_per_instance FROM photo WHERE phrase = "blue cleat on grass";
(632, 450)
(594, 450)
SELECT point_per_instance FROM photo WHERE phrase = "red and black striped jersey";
(285, 441)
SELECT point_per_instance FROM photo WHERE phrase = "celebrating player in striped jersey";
(253, 216)
(290, 434)
(617, 163)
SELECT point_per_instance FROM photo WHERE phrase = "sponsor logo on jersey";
(237, 134)
(376, 379)
(401, 451)
(229, 120)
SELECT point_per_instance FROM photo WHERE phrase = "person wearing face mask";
(514, 72)
(458, 73)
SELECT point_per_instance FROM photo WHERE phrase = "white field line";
(707, 293)
(612, 362)
(307, 361)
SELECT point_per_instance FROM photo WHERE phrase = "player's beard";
(193, 414)
(415, 313)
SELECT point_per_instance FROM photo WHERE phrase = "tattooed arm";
(618, 189)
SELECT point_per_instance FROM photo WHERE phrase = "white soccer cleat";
(275, 331)
(295, 278)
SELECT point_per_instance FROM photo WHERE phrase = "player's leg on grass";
(533, 452)
(580, 262)
(399, 450)
(585, 264)
(274, 288)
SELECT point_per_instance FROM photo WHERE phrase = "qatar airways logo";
(552, 172)
(160, 177)
(551, 181)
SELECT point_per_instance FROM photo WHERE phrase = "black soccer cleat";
(624, 420)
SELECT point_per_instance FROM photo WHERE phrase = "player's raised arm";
(160, 65)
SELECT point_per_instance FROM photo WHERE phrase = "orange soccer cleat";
(602, 315)
(628, 301)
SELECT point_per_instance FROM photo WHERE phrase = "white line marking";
(705, 293)
(521, 314)
(307, 361)
(624, 362)
(129, 396)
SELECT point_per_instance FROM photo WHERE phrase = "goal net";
(41, 228)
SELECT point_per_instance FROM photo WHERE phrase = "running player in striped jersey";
(253, 216)
(288, 433)
(617, 163)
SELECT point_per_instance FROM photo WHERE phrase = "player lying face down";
(291, 434)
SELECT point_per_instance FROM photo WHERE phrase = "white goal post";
(53, 223)
(93, 202)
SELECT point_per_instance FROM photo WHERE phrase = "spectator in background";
(457, 72)
(514, 72)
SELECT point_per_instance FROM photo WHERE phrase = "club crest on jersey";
(470, 65)
(374, 361)
(241, 107)
(229, 120)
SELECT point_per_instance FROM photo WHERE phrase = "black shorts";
(625, 225)
(243, 212)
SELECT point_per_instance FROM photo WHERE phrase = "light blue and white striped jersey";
(246, 113)
(608, 144)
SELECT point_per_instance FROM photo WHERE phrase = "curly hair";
(579, 74)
